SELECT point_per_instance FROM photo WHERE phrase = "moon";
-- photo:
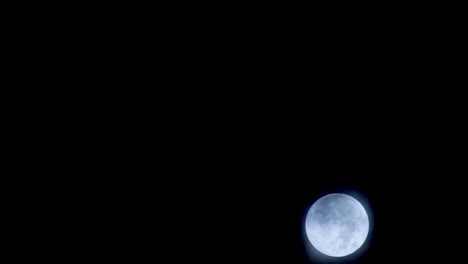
(337, 225)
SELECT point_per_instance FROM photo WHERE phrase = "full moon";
(337, 225)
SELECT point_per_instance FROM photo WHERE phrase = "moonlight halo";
(337, 225)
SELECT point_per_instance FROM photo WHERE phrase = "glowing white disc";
(337, 225)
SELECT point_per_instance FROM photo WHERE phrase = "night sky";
(253, 200)
(261, 219)
(236, 187)
(237, 131)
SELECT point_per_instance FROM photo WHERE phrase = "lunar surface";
(337, 225)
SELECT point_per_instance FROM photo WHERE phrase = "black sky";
(219, 187)
(262, 219)
(237, 136)
(253, 199)
(234, 184)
